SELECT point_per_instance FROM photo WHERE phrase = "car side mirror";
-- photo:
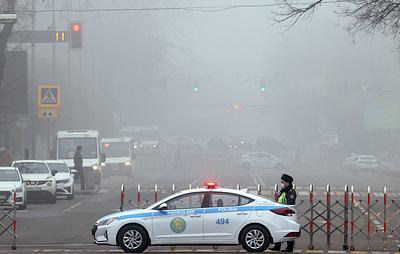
(163, 206)
(54, 172)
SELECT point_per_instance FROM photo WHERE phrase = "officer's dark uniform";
(286, 196)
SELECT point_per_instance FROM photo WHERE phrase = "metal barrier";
(8, 218)
(356, 222)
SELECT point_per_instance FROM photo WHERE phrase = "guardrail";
(357, 222)
(8, 215)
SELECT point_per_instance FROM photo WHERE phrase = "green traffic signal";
(196, 89)
(262, 89)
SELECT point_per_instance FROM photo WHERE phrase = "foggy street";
(147, 98)
(67, 224)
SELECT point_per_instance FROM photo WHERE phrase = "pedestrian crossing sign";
(49, 96)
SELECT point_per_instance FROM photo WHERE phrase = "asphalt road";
(66, 226)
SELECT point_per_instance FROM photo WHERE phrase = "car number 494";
(222, 221)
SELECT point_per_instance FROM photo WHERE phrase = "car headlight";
(103, 164)
(19, 189)
(95, 167)
(106, 221)
(127, 163)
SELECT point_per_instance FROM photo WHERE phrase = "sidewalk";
(78, 191)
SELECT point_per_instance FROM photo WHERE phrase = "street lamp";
(8, 18)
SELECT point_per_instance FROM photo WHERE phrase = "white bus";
(144, 137)
(67, 141)
(119, 156)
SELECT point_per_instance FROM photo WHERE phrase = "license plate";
(34, 188)
(2, 197)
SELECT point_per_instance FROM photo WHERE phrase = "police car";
(202, 216)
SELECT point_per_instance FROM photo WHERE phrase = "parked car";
(269, 144)
(361, 163)
(221, 142)
(201, 216)
(64, 178)
(181, 142)
(39, 179)
(10, 180)
(262, 160)
(241, 142)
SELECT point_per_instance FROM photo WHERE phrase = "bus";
(145, 138)
(120, 158)
(68, 140)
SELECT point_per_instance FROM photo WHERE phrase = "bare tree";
(367, 16)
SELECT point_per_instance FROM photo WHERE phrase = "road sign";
(49, 96)
(49, 113)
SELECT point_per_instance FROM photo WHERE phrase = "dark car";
(220, 142)
(270, 144)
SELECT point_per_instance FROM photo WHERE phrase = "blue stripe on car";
(127, 215)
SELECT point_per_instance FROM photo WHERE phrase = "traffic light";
(262, 86)
(196, 85)
(75, 35)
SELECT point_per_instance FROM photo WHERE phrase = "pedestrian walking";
(178, 161)
(5, 157)
(78, 161)
(287, 195)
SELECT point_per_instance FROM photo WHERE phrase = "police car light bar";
(210, 185)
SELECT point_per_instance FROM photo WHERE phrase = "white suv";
(39, 179)
(10, 180)
(64, 178)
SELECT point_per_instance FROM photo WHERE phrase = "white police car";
(207, 216)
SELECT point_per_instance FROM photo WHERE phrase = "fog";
(142, 59)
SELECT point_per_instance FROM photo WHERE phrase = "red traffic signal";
(75, 35)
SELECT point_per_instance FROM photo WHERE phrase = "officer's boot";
(289, 247)
(277, 247)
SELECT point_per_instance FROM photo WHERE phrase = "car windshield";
(32, 168)
(9, 176)
(60, 167)
(367, 158)
(67, 147)
(116, 149)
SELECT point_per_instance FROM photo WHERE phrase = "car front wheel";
(133, 238)
(255, 239)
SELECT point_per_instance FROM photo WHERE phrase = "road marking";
(72, 207)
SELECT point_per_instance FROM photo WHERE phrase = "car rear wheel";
(246, 165)
(133, 238)
(255, 239)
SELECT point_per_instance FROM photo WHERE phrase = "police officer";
(78, 161)
(288, 196)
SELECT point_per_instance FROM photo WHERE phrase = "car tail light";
(293, 234)
(283, 211)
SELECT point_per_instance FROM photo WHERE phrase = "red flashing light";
(283, 211)
(76, 27)
(210, 185)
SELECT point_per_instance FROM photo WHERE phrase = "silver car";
(262, 160)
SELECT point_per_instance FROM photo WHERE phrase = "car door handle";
(195, 215)
(241, 213)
